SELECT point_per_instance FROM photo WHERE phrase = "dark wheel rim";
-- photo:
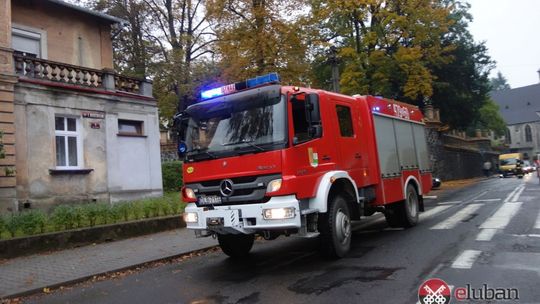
(342, 227)
(412, 203)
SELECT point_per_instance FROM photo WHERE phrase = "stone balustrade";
(36, 68)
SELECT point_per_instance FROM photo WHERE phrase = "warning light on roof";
(242, 85)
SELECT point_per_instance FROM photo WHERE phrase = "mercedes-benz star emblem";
(226, 187)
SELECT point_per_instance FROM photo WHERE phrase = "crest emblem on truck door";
(226, 187)
(313, 158)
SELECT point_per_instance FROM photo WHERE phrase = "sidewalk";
(29, 274)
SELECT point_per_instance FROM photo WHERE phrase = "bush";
(32, 222)
(63, 217)
(67, 217)
(103, 212)
(172, 175)
(13, 224)
(150, 208)
(91, 211)
(79, 216)
(2, 225)
(122, 210)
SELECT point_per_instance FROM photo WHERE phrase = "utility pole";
(334, 61)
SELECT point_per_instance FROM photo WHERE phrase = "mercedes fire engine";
(270, 160)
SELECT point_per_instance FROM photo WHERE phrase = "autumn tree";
(133, 49)
(259, 36)
(386, 46)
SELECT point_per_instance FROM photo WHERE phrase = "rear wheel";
(236, 245)
(405, 213)
(335, 229)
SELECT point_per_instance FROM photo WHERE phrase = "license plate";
(210, 200)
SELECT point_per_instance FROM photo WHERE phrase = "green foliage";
(32, 222)
(13, 224)
(66, 217)
(63, 217)
(91, 212)
(2, 225)
(499, 83)
(79, 216)
(172, 175)
(491, 119)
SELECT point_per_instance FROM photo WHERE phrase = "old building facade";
(520, 108)
(74, 130)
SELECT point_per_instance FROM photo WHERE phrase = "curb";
(39, 290)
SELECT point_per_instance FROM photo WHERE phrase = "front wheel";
(236, 245)
(335, 229)
(405, 213)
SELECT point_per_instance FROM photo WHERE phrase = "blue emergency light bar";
(239, 86)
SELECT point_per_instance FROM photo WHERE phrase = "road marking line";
(433, 211)
(537, 224)
(518, 193)
(514, 195)
(449, 203)
(455, 219)
(511, 194)
(466, 259)
(488, 200)
(486, 234)
(430, 196)
(501, 218)
(534, 235)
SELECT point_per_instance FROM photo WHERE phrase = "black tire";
(405, 213)
(335, 229)
(236, 245)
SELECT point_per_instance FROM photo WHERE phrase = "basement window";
(130, 127)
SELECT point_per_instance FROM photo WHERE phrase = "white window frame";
(77, 134)
(138, 121)
(34, 33)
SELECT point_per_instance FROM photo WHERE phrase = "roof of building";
(519, 105)
(84, 10)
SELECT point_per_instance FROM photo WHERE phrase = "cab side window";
(345, 121)
(300, 122)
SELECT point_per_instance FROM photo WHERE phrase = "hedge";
(172, 175)
(67, 217)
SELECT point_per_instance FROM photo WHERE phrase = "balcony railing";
(36, 68)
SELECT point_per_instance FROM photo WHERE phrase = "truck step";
(308, 211)
(309, 235)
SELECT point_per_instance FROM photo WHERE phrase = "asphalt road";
(488, 233)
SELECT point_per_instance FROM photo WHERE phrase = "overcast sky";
(511, 29)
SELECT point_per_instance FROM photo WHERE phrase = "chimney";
(538, 74)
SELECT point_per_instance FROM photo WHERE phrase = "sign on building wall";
(94, 115)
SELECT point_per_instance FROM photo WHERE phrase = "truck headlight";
(191, 217)
(278, 213)
(273, 186)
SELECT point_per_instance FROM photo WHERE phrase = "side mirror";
(313, 113)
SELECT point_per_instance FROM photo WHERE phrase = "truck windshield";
(508, 161)
(235, 127)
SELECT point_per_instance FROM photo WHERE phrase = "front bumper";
(245, 219)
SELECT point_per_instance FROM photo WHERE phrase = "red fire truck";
(265, 159)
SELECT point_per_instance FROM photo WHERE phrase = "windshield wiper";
(201, 152)
(249, 143)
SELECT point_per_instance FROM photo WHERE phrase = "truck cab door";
(348, 140)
